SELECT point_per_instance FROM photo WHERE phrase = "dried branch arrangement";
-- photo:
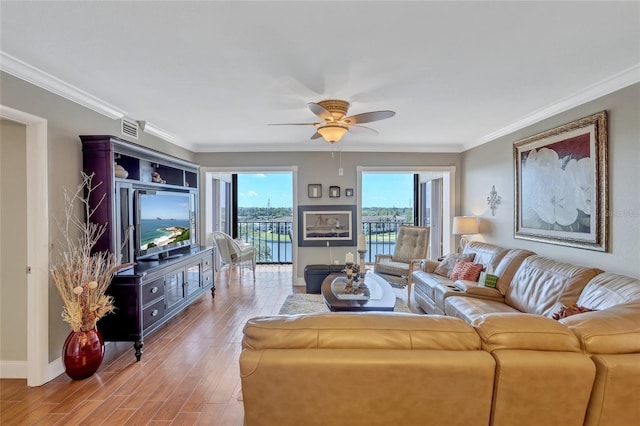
(80, 276)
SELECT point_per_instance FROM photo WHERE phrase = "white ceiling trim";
(33, 75)
(344, 146)
(167, 136)
(44, 80)
(609, 85)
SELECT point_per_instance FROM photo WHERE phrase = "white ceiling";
(211, 75)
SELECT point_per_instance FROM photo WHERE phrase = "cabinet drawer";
(152, 314)
(207, 263)
(207, 278)
(152, 290)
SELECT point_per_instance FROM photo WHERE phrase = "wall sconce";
(493, 199)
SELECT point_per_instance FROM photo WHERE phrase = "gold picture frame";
(561, 185)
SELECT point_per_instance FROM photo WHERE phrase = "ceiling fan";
(334, 124)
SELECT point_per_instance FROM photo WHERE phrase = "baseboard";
(54, 369)
(13, 369)
(299, 282)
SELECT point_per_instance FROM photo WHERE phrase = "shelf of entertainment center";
(146, 171)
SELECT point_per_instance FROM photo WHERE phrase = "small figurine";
(155, 177)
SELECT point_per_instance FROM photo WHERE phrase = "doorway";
(38, 369)
(406, 196)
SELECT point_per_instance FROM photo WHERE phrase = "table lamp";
(463, 226)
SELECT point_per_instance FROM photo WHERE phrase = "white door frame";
(38, 368)
(209, 171)
(449, 193)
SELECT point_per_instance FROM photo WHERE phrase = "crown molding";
(33, 75)
(167, 136)
(46, 81)
(609, 85)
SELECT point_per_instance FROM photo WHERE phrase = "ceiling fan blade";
(320, 111)
(357, 128)
(293, 124)
(316, 135)
(367, 117)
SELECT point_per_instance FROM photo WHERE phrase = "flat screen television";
(165, 221)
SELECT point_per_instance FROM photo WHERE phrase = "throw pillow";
(466, 271)
(446, 266)
(567, 311)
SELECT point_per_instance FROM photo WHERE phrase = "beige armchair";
(234, 254)
(411, 249)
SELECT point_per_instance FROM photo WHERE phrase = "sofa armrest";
(474, 289)
(429, 265)
(524, 331)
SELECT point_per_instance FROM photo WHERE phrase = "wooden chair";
(234, 254)
(410, 250)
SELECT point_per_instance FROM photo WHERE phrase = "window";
(395, 197)
(264, 214)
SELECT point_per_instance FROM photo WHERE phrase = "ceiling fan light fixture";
(332, 133)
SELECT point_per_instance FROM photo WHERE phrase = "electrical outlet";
(340, 171)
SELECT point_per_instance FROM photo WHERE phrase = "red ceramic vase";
(82, 353)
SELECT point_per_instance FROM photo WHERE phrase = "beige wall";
(492, 164)
(66, 120)
(322, 167)
(13, 244)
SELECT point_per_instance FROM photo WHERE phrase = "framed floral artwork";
(561, 188)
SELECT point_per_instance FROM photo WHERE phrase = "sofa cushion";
(449, 262)
(614, 330)
(466, 271)
(607, 289)
(360, 331)
(470, 308)
(392, 268)
(508, 267)
(524, 331)
(542, 285)
(486, 254)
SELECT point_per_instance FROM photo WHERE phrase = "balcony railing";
(273, 239)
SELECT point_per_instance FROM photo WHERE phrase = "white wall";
(492, 164)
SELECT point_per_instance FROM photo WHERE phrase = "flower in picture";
(581, 171)
(554, 189)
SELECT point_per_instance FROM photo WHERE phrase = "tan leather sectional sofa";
(509, 365)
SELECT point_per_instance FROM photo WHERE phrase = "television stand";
(160, 257)
(171, 256)
(154, 292)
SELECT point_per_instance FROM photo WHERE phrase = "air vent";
(129, 128)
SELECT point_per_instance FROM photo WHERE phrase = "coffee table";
(386, 302)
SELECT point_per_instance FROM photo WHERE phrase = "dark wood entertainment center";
(156, 288)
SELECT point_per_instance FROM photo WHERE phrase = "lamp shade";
(465, 225)
(332, 132)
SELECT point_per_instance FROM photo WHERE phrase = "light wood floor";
(188, 374)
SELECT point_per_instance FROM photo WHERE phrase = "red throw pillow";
(466, 271)
(567, 311)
